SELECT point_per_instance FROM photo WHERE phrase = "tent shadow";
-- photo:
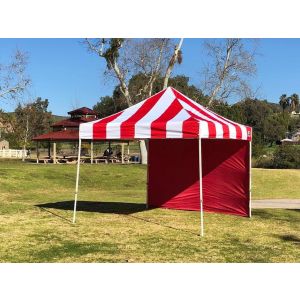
(289, 238)
(120, 208)
(98, 207)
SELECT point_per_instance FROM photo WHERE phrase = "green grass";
(36, 209)
(275, 184)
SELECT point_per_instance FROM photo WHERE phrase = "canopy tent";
(180, 132)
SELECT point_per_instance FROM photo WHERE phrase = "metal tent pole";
(201, 187)
(148, 164)
(77, 181)
(250, 182)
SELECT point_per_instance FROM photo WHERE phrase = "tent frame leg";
(147, 196)
(250, 181)
(77, 182)
(200, 188)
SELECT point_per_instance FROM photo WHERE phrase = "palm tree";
(284, 102)
(294, 102)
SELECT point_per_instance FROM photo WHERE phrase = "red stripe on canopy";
(225, 127)
(158, 126)
(127, 127)
(190, 128)
(99, 128)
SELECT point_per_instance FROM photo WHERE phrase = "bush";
(287, 157)
(263, 161)
(258, 150)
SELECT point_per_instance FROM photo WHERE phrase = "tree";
(181, 83)
(294, 102)
(284, 102)
(31, 120)
(109, 105)
(274, 128)
(255, 113)
(176, 58)
(13, 78)
(231, 66)
(127, 57)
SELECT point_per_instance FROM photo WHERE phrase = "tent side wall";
(173, 172)
(226, 176)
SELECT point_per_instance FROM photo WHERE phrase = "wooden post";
(37, 153)
(49, 149)
(122, 153)
(92, 152)
(128, 152)
(54, 152)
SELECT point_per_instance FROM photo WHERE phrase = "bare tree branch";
(13, 80)
(228, 73)
(174, 59)
(111, 54)
(150, 57)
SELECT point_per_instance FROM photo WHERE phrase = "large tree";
(294, 102)
(255, 113)
(31, 120)
(13, 77)
(230, 66)
(125, 58)
(284, 102)
(108, 106)
(112, 104)
(274, 128)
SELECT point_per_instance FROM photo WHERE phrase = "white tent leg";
(147, 199)
(77, 181)
(200, 188)
(250, 182)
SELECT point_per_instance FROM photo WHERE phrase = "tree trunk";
(172, 62)
(23, 153)
(222, 76)
(25, 138)
(144, 152)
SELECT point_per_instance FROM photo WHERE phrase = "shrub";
(287, 157)
(263, 162)
(258, 150)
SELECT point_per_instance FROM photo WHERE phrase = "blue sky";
(63, 71)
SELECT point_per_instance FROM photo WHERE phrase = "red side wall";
(173, 175)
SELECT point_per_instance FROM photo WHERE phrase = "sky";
(64, 72)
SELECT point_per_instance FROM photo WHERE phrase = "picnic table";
(99, 160)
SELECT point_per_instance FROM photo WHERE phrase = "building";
(295, 114)
(292, 138)
(66, 130)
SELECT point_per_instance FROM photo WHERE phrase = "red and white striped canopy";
(167, 114)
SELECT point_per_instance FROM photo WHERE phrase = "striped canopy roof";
(167, 114)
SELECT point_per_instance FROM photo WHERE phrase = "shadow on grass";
(120, 208)
(98, 207)
(289, 238)
(284, 215)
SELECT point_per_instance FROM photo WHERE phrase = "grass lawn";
(36, 210)
(275, 184)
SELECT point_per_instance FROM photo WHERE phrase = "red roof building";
(67, 130)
